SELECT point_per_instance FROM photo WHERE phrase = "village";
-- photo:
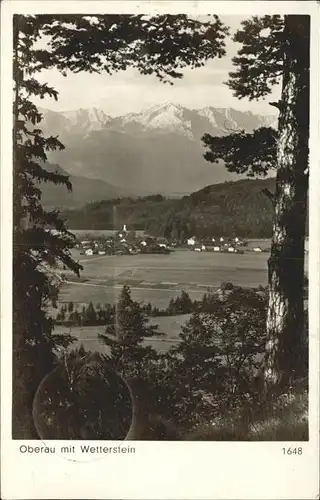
(128, 242)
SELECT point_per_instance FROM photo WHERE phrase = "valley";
(156, 279)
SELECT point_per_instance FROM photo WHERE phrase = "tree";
(90, 315)
(217, 358)
(126, 334)
(160, 45)
(186, 302)
(70, 307)
(275, 49)
(40, 239)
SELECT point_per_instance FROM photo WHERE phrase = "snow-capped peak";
(165, 116)
(92, 116)
(209, 113)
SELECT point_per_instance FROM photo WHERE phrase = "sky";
(128, 91)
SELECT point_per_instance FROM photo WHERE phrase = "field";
(88, 335)
(157, 279)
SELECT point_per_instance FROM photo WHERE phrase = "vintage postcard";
(160, 250)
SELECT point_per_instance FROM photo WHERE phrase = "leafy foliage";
(220, 352)
(208, 386)
(240, 153)
(259, 66)
(159, 45)
(258, 63)
(82, 399)
(40, 240)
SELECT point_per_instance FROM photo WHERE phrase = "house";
(257, 249)
(216, 249)
(203, 247)
(143, 243)
(238, 242)
(191, 241)
(89, 251)
(162, 245)
(231, 249)
(222, 240)
(101, 252)
(197, 249)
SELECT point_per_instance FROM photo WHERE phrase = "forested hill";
(239, 207)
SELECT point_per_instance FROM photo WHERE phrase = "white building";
(257, 249)
(88, 251)
(191, 241)
(124, 228)
(144, 243)
(162, 245)
(216, 249)
(231, 249)
(197, 249)
(203, 247)
(222, 240)
(101, 252)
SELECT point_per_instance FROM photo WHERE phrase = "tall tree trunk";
(285, 318)
(22, 365)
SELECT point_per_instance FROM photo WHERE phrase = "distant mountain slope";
(84, 190)
(239, 208)
(231, 208)
(157, 150)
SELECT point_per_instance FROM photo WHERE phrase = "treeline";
(87, 315)
(136, 213)
(105, 314)
(233, 208)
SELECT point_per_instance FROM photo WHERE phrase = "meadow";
(157, 279)
(88, 335)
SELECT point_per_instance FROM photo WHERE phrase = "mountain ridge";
(156, 150)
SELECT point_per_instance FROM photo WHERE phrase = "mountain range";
(158, 150)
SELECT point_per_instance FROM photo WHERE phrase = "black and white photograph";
(149, 204)
(160, 227)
